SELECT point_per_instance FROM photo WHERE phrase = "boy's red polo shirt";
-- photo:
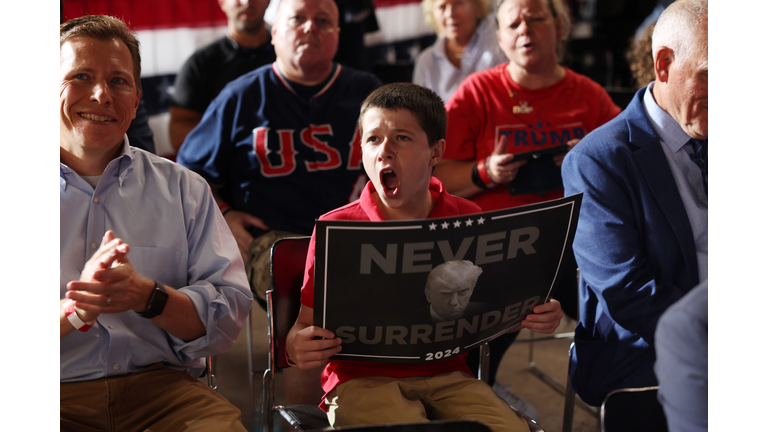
(339, 371)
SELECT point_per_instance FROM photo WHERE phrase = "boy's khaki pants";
(453, 396)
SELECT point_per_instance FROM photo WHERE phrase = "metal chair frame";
(273, 361)
(571, 400)
(644, 399)
(538, 373)
(209, 377)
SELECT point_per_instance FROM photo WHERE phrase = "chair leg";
(540, 374)
(484, 363)
(251, 401)
(268, 419)
(570, 399)
(209, 372)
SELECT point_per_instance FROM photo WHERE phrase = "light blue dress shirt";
(434, 71)
(687, 175)
(177, 237)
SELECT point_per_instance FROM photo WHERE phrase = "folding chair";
(633, 410)
(288, 256)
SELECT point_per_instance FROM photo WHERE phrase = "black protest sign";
(420, 291)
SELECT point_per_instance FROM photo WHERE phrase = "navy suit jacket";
(634, 247)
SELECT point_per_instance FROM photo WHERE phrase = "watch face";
(156, 302)
(160, 287)
(159, 300)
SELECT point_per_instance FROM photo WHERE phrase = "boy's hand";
(311, 353)
(545, 317)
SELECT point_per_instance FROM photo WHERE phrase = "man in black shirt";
(246, 46)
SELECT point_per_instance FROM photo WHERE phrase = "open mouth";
(526, 46)
(390, 181)
(97, 118)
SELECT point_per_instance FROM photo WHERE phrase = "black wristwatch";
(156, 302)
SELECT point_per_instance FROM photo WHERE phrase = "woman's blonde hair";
(483, 8)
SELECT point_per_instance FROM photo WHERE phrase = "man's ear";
(136, 105)
(273, 29)
(662, 63)
(437, 153)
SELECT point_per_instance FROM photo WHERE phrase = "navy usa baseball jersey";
(280, 151)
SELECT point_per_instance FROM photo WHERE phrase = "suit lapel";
(653, 164)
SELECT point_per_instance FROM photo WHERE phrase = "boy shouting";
(403, 138)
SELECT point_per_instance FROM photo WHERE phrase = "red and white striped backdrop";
(171, 30)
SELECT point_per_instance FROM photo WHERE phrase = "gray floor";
(550, 356)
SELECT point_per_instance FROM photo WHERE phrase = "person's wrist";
(156, 302)
(74, 318)
(147, 288)
(484, 173)
(289, 361)
(476, 178)
(224, 208)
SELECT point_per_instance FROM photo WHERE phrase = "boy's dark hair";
(104, 27)
(422, 102)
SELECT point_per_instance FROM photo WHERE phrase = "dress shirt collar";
(663, 124)
(123, 160)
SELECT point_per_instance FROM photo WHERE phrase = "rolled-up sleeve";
(217, 284)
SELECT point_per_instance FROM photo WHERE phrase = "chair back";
(288, 257)
(633, 410)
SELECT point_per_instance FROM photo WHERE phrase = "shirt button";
(95, 199)
(116, 367)
(94, 245)
(63, 182)
(111, 328)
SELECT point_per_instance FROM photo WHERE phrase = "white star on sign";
(481, 221)
(469, 222)
(445, 225)
(432, 226)
(457, 224)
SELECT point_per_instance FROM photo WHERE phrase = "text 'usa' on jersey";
(280, 156)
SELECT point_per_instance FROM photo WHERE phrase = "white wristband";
(74, 319)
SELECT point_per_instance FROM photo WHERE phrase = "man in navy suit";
(641, 242)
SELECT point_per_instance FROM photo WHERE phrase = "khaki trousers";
(453, 396)
(155, 399)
